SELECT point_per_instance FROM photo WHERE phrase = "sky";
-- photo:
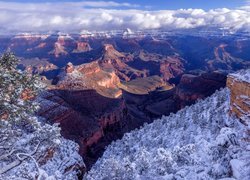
(166, 4)
(94, 15)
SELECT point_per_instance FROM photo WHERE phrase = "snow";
(198, 142)
(39, 153)
(242, 75)
(237, 166)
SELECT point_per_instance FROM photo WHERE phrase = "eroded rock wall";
(240, 98)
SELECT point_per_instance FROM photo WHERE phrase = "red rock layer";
(240, 99)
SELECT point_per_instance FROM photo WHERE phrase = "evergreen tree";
(17, 90)
(25, 139)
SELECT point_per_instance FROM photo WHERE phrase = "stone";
(240, 96)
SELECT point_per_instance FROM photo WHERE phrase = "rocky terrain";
(167, 56)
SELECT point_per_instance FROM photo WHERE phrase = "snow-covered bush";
(199, 142)
(29, 147)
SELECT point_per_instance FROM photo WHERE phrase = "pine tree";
(17, 90)
(25, 139)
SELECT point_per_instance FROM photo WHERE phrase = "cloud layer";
(99, 16)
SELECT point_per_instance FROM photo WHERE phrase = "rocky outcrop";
(59, 47)
(239, 85)
(224, 59)
(85, 102)
(89, 76)
(36, 66)
(172, 67)
(193, 87)
(145, 85)
(82, 47)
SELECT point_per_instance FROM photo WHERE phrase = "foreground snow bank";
(199, 142)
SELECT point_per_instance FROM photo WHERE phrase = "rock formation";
(239, 85)
(133, 57)
(172, 67)
(89, 76)
(37, 66)
(193, 87)
(82, 47)
(111, 59)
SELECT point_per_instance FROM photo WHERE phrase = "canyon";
(99, 88)
(94, 114)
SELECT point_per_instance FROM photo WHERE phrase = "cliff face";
(239, 85)
(84, 101)
(193, 87)
(86, 117)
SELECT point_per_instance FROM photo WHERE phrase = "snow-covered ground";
(199, 142)
(41, 154)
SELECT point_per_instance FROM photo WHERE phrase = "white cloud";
(101, 15)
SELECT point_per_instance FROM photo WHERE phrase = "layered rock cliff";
(239, 85)
(86, 117)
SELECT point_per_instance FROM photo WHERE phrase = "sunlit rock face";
(239, 85)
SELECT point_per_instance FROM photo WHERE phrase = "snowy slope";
(42, 155)
(199, 142)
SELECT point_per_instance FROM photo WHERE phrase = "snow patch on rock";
(242, 75)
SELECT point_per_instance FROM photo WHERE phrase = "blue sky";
(166, 4)
(94, 15)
